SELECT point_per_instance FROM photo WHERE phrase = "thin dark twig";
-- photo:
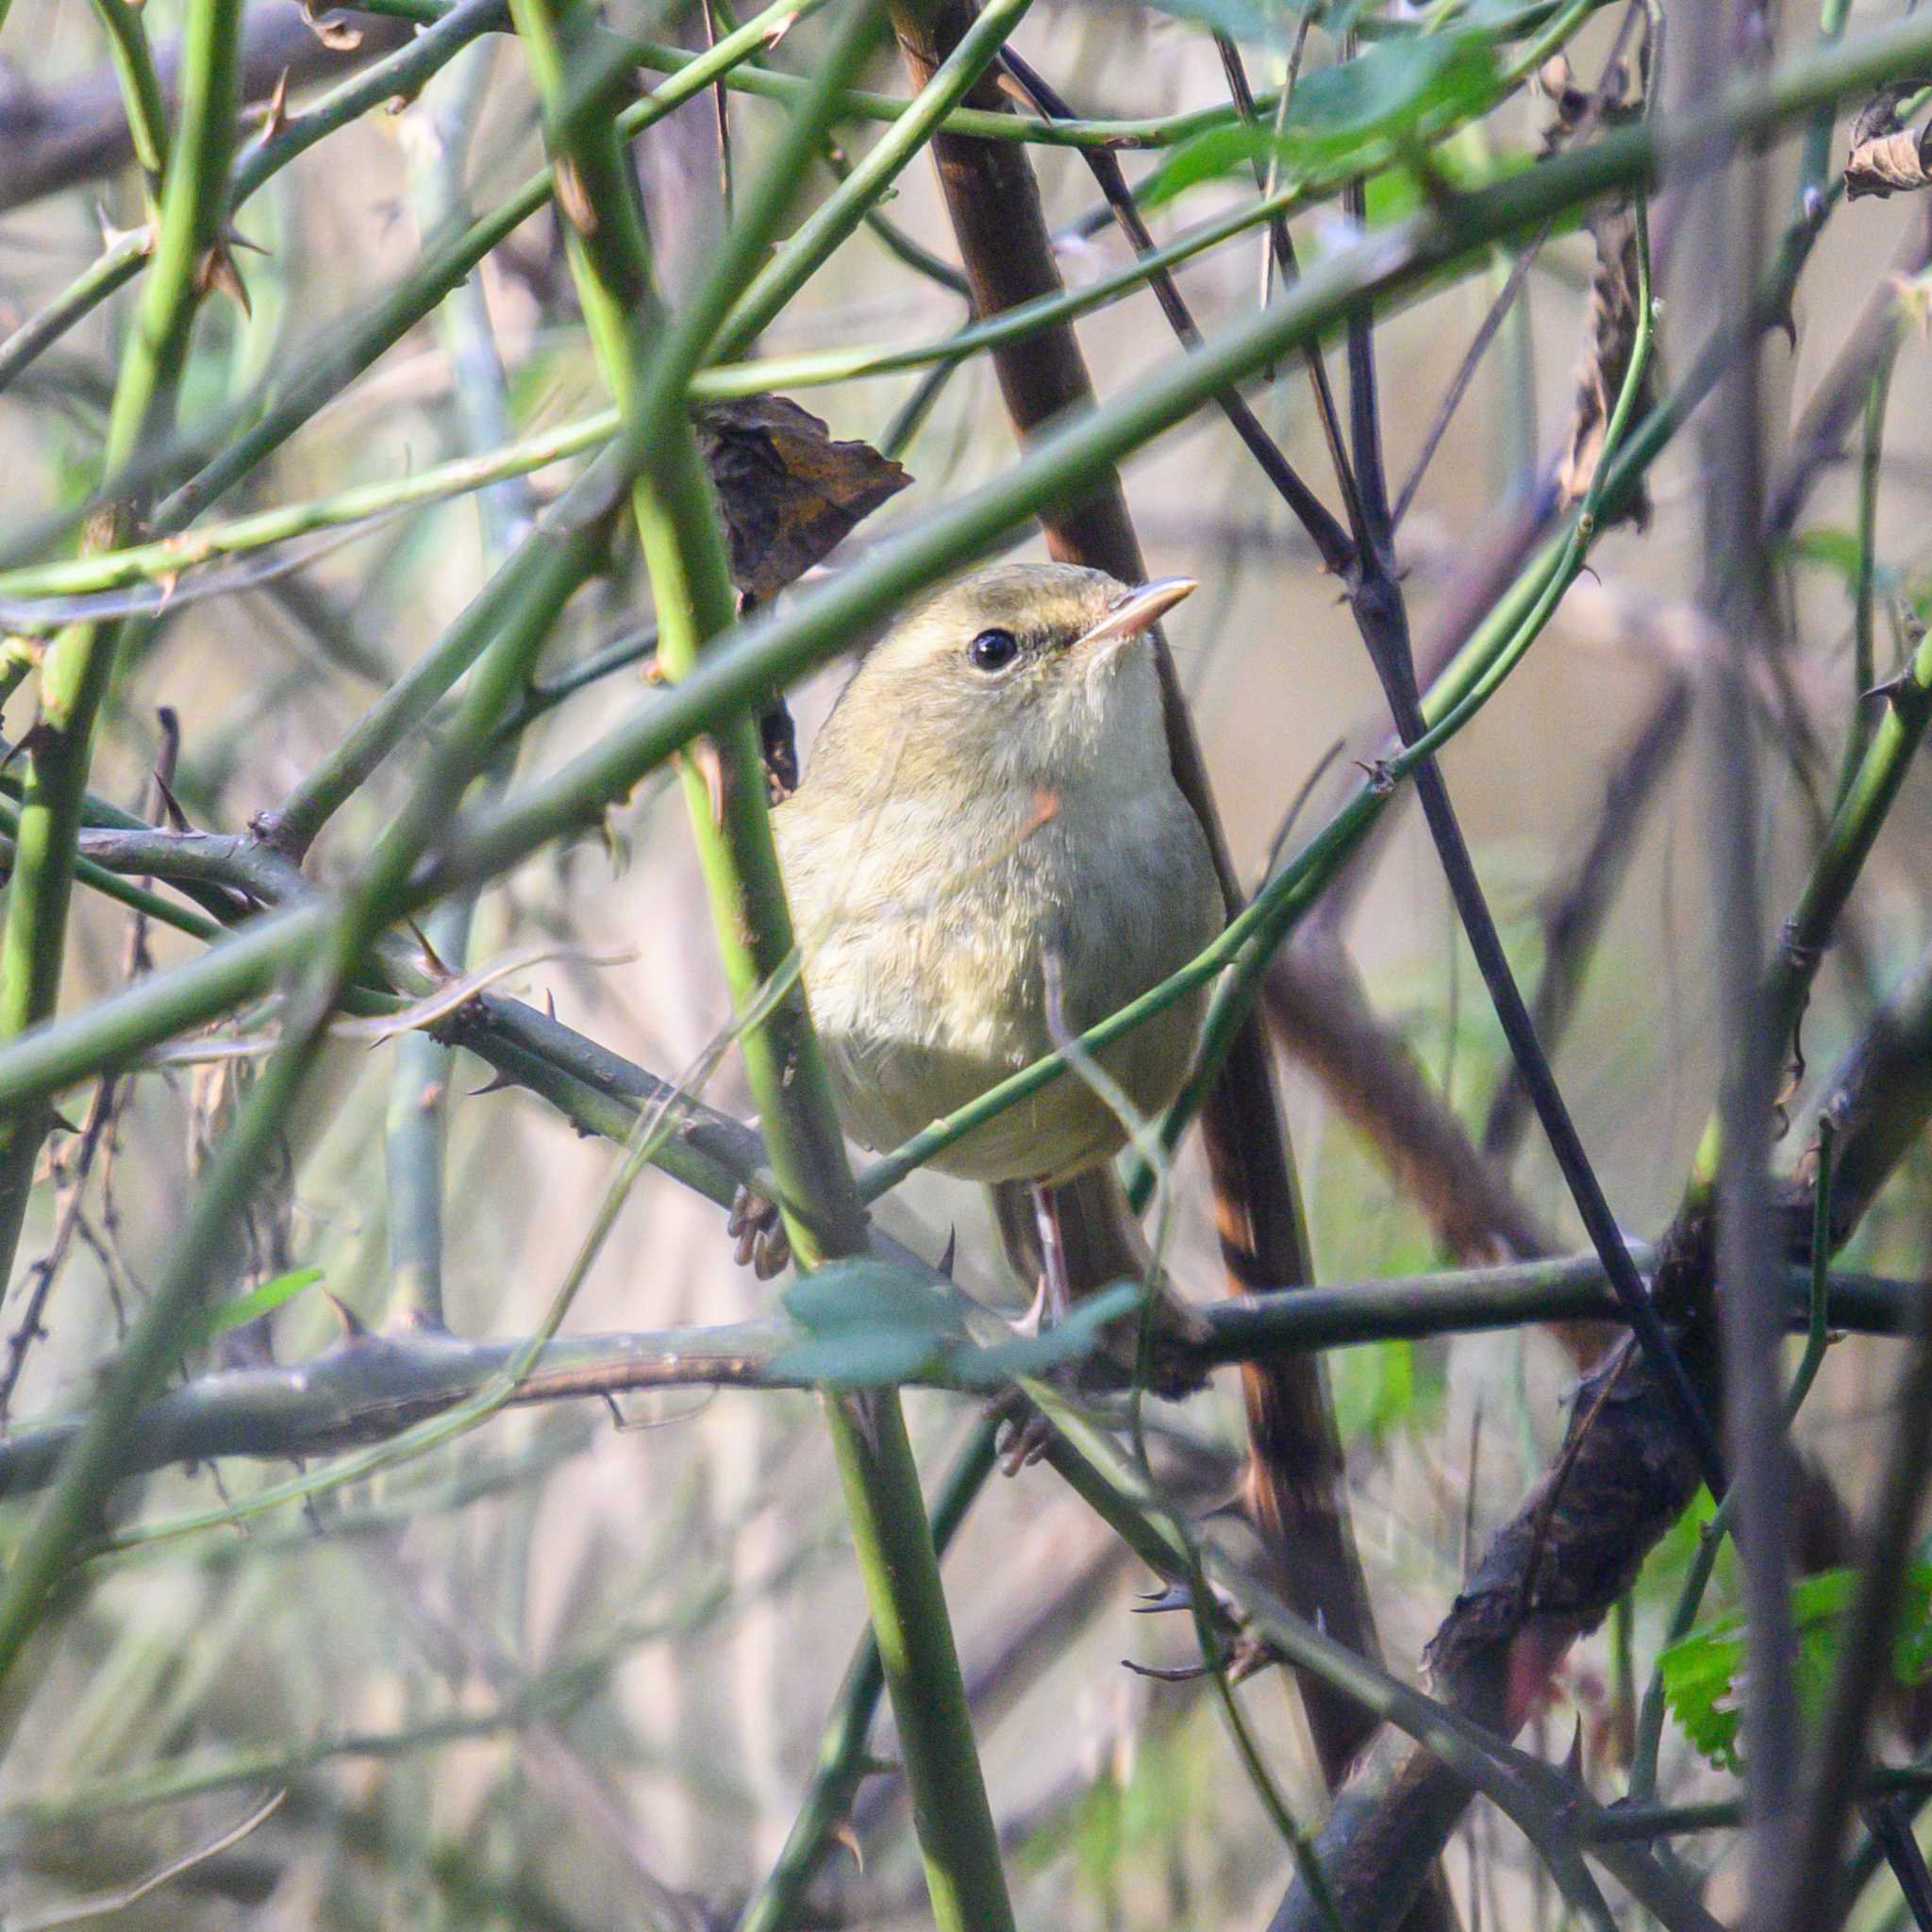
(1383, 620)
(73, 1165)
(1281, 250)
(1330, 540)
(1864, 1661)
(1465, 374)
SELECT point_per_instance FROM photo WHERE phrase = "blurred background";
(572, 1671)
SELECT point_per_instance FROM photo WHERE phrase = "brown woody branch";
(1295, 1473)
(1557, 1568)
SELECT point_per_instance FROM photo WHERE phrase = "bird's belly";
(925, 1002)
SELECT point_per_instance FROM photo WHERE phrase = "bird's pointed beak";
(1140, 609)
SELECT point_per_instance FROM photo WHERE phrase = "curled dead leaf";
(790, 490)
(1886, 156)
(1611, 329)
(328, 26)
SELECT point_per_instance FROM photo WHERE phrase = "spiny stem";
(74, 677)
(684, 552)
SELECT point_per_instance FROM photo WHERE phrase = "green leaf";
(864, 1359)
(1414, 88)
(1835, 550)
(1701, 1673)
(1032, 1355)
(1374, 1385)
(868, 1323)
(252, 1305)
(864, 1293)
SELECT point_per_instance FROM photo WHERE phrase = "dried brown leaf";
(790, 490)
(1611, 334)
(328, 26)
(1600, 376)
(1887, 158)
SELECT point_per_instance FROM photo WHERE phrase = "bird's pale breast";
(928, 980)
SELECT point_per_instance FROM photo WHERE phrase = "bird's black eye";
(993, 650)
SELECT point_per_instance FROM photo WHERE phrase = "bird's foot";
(1026, 1434)
(759, 1229)
(1029, 1433)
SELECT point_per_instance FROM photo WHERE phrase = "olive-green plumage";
(991, 792)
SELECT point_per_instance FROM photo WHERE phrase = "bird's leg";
(758, 1227)
(1052, 1300)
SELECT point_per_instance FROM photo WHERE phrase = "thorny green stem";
(74, 677)
(398, 73)
(778, 647)
(66, 1519)
(1847, 843)
(1864, 603)
(684, 552)
(141, 89)
(79, 576)
(842, 1764)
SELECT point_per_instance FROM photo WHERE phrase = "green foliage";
(1701, 1673)
(252, 1305)
(871, 1324)
(1373, 1386)
(1397, 93)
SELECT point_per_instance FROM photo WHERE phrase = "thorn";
(1152, 1603)
(844, 1834)
(495, 1086)
(550, 1002)
(952, 1248)
(1177, 1673)
(430, 951)
(354, 1328)
(572, 197)
(112, 237)
(1250, 1657)
(60, 1123)
(1892, 690)
(275, 112)
(1572, 1760)
(171, 805)
(37, 738)
(703, 754)
(219, 274)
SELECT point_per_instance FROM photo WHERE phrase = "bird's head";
(1024, 673)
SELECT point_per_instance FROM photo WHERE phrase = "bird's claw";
(1026, 1434)
(758, 1230)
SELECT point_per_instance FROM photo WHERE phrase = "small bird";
(989, 853)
